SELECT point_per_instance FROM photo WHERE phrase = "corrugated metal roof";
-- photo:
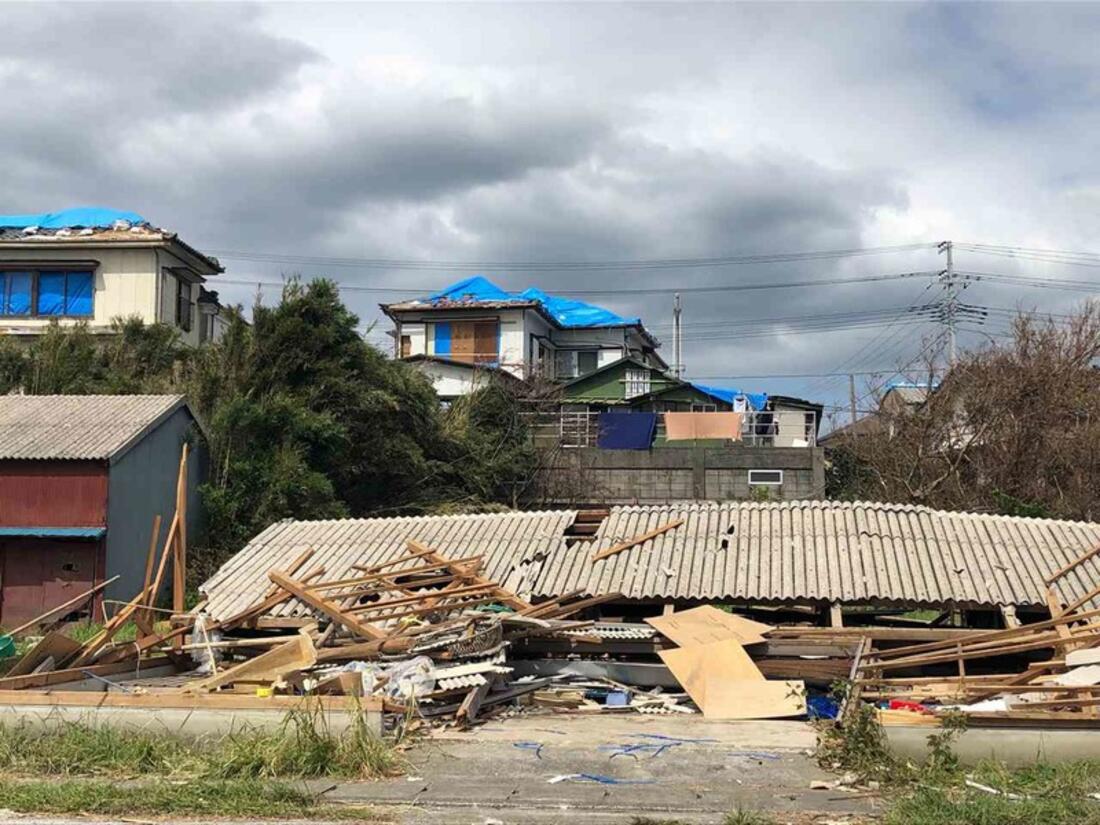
(853, 552)
(77, 426)
(827, 551)
(510, 542)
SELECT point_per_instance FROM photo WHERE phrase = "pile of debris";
(998, 677)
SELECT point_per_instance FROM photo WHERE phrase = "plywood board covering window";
(475, 342)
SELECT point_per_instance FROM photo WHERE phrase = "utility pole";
(677, 339)
(951, 287)
(852, 395)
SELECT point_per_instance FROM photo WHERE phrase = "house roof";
(819, 551)
(88, 427)
(480, 292)
(94, 226)
(424, 358)
(719, 393)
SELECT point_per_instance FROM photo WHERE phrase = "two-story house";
(475, 325)
(94, 265)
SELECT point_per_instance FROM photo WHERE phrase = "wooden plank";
(53, 645)
(64, 606)
(985, 636)
(753, 699)
(267, 667)
(324, 606)
(470, 577)
(179, 559)
(694, 666)
(1053, 577)
(178, 701)
(274, 600)
(576, 607)
(471, 705)
(55, 677)
(644, 537)
(701, 625)
(151, 557)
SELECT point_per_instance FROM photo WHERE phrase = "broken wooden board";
(752, 699)
(1085, 656)
(702, 625)
(53, 645)
(267, 667)
(694, 667)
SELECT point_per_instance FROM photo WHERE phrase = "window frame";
(636, 383)
(35, 270)
(186, 324)
(756, 483)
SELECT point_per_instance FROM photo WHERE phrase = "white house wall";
(452, 381)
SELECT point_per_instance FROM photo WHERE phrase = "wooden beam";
(179, 559)
(644, 537)
(503, 596)
(302, 592)
(297, 654)
(74, 674)
(1053, 577)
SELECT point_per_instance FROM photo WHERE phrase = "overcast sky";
(582, 133)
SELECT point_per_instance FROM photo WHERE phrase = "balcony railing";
(786, 428)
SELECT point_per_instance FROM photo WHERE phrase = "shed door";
(37, 574)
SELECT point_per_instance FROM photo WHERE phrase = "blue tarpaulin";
(626, 431)
(565, 311)
(94, 217)
(756, 400)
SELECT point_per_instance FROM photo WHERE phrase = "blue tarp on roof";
(53, 532)
(94, 217)
(757, 400)
(566, 311)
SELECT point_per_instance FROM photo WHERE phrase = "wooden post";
(179, 567)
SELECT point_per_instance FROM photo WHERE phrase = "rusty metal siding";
(508, 541)
(37, 574)
(53, 494)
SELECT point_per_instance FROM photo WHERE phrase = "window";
(565, 363)
(587, 362)
(770, 478)
(406, 346)
(183, 304)
(206, 326)
(53, 293)
(637, 383)
(704, 408)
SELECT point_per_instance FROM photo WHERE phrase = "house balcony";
(766, 428)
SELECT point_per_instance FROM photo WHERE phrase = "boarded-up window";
(475, 342)
(406, 346)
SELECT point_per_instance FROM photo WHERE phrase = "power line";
(764, 285)
(585, 266)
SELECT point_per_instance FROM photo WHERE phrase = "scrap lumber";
(97, 642)
(179, 559)
(467, 712)
(74, 674)
(151, 559)
(644, 537)
(302, 592)
(1057, 574)
(54, 646)
(277, 597)
(503, 596)
(701, 625)
(577, 607)
(297, 654)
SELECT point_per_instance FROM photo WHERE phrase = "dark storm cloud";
(554, 132)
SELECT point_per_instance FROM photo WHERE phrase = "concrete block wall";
(661, 475)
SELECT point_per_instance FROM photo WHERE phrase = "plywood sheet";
(56, 645)
(694, 666)
(702, 625)
(751, 699)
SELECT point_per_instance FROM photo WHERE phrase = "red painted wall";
(53, 494)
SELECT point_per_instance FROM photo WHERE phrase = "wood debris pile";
(1045, 672)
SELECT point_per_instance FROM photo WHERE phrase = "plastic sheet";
(566, 311)
(95, 217)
